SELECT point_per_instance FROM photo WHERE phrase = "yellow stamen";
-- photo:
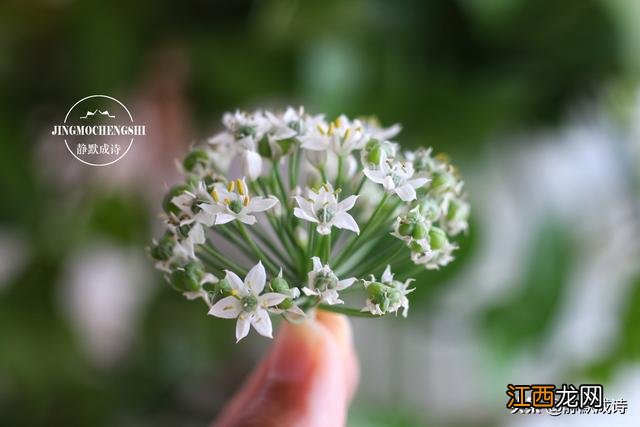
(231, 186)
(246, 200)
(215, 195)
(233, 292)
(241, 189)
(320, 129)
(331, 128)
(347, 133)
(338, 122)
(227, 201)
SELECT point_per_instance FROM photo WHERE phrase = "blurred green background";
(538, 102)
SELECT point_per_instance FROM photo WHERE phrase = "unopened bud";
(280, 285)
(405, 229)
(195, 158)
(420, 231)
(224, 287)
(164, 249)
(187, 279)
(264, 149)
(437, 238)
(167, 204)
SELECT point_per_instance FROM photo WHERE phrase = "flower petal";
(223, 218)
(406, 192)
(256, 278)
(271, 298)
(236, 282)
(261, 204)
(251, 164)
(317, 265)
(332, 297)
(209, 278)
(205, 218)
(346, 221)
(247, 219)
(418, 182)
(324, 229)
(226, 308)
(375, 175)
(302, 214)
(347, 203)
(262, 323)
(344, 284)
(308, 292)
(196, 234)
(242, 326)
(387, 276)
(315, 143)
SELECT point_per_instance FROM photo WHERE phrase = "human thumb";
(307, 378)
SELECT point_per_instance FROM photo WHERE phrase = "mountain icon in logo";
(99, 112)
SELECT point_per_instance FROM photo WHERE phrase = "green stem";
(340, 167)
(346, 310)
(226, 263)
(353, 243)
(325, 248)
(293, 177)
(256, 250)
(277, 252)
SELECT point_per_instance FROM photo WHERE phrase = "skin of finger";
(315, 393)
(340, 327)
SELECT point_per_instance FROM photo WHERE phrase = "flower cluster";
(306, 210)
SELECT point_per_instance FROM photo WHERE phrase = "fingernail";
(293, 354)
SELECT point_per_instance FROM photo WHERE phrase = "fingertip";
(340, 328)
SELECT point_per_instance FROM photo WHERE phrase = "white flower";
(233, 203)
(456, 215)
(374, 130)
(244, 131)
(341, 136)
(324, 283)
(396, 177)
(433, 259)
(322, 208)
(247, 304)
(388, 295)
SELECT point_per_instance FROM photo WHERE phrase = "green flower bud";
(420, 231)
(285, 145)
(375, 155)
(183, 230)
(442, 181)
(167, 205)
(437, 238)
(286, 304)
(164, 249)
(264, 149)
(244, 131)
(224, 287)
(406, 229)
(187, 279)
(458, 210)
(377, 293)
(194, 158)
(278, 284)
(324, 282)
